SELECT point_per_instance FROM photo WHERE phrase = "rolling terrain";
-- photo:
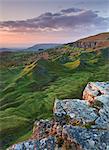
(31, 81)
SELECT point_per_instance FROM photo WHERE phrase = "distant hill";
(41, 47)
(5, 49)
(10, 49)
(37, 47)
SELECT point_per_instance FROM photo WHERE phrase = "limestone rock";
(41, 129)
(94, 89)
(104, 99)
(97, 93)
(46, 143)
(75, 109)
(92, 139)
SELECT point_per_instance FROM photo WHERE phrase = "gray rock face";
(97, 93)
(94, 89)
(88, 139)
(75, 109)
(90, 44)
(43, 144)
(104, 99)
(103, 119)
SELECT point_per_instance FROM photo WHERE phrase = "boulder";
(104, 99)
(75, 109)
(92, 139)
(94, 89)
(45, 143)
(97, 94)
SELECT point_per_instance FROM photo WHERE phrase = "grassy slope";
(28, 92)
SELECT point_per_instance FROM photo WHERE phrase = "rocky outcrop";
(93, 42)
(88, 139)
(90, 44)
(75, 109)
(97, 95)
(48, 143)
(85, 45)
(95, 90)
(76, 125)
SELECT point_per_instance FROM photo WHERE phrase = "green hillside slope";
(29, 85)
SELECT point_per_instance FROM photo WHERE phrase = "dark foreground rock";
(89, 139)
(46, 143)
(76, 125)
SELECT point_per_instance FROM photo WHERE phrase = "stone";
(45, 143)
(103, 119)
(104, 99)
(87, 139)
(94, 89)
(97, 94)
(76, 109)
(91, 143)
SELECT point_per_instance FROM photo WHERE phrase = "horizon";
(29, 46)
(50, 22)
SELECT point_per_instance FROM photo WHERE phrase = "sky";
(24, 23)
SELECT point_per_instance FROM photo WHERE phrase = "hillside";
(31, 81)
(95, 42)
(41, 47)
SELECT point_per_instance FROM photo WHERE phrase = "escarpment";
(93, 42)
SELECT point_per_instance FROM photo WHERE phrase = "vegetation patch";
(72, 65)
